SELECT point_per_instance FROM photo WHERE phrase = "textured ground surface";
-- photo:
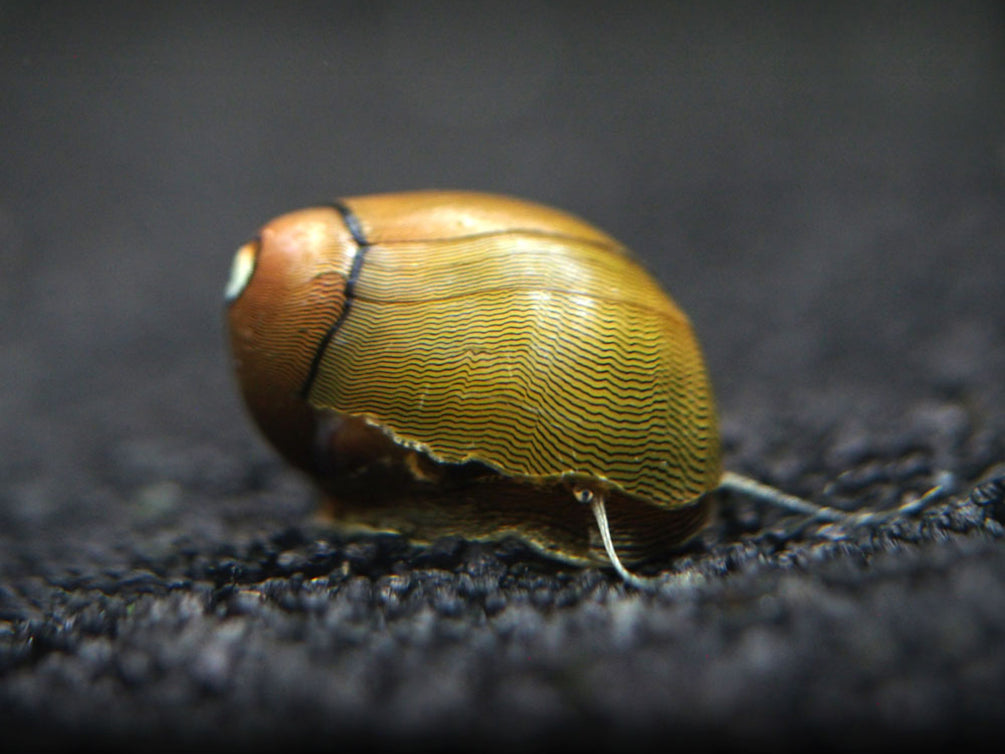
(822, 192)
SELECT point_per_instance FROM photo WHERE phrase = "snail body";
(478, 365)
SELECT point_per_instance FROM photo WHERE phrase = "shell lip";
(571, 479)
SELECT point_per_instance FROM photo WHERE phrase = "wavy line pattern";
(537, 355)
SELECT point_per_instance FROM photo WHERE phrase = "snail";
(473, 364)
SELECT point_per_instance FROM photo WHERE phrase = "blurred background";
(820, 188)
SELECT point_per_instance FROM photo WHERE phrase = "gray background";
(821, 190)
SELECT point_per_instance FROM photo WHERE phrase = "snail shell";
(476, 365)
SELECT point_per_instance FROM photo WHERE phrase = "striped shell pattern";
(456, 363)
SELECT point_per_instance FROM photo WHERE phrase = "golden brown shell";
(456, 363)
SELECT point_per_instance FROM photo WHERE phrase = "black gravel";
(823, 192)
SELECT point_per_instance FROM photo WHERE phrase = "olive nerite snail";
(463, 363)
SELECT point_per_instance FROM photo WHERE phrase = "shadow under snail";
(479, 365)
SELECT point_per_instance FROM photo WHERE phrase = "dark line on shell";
(615, 247)
(355, 229)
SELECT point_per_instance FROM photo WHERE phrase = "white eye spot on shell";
(241, 270)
